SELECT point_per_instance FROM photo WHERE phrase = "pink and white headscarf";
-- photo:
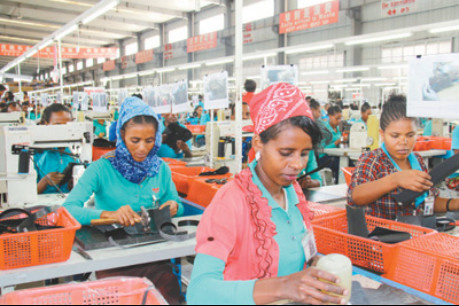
(276, 104)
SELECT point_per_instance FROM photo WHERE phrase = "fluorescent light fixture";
(345, 81)
(316, 72)
(222, 62)
(192, 66)
(373, 79)
(253, 77)
(378, 39)
(144, 73)
(445, 29)
(391, 67)
(355, 69)
(352, 89)
(29, 23)
(361, 85)
(401, 78)
(260, 56)
(319, 82)
(164, 70)
(309, 49)
(66, 32)
(384, 84)
(339, 86)
(98, 12)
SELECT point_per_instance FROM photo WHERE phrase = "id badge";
(428, 208)
(309, 245)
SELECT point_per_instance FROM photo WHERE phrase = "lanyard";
(414, 165)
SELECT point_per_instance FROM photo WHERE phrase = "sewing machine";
(365, 136)
(91, 115)
(10, 118)
(21, 188)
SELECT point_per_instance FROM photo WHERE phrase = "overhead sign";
(67, 53)
(144, 57)
(392, 8)
(309, 17)
(202, 42)
(109, 66)
(168, 52)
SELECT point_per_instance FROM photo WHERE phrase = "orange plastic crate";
(113, 291)
(322, 210)
(429, 264)
(39, 248)
(332, 237)
(182, 176)
(202, 193)
(348, 172)
(196, 129)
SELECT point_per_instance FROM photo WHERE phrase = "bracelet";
(448, 204)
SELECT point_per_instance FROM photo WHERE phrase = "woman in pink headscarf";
(255, 240)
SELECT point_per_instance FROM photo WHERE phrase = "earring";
(258, 156)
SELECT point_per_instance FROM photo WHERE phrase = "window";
(71, 69)
(152, 42)
(212, 24)
(306, 3)
(101, 60)
(260, 10)
(80, 66)
(393, 55)
(178, 34)
(64, 70)
(89, 62)
(118, 54)
(131, 49)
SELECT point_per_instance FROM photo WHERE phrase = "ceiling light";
(384, 84)
(345, 81)
(445, 29)
(193, 66)
(390, 67)
(316, 72)
(166, 70)
(372, 79)
(309, 49)
(319, 82)
(257, 77)
(261, 56)
(355, 69)
(222, 62)
(17, 38)
(378, 39)
(29, 23)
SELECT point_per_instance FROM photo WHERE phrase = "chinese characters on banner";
(109, 66)
(144, 57)
(168, 53)
(248, 35)
(67, 53)
(202, 42)
(397, 7)
(309, 17)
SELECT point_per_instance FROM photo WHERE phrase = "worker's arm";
(440, 205)
(171, 194)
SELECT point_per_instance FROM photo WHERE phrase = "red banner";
(202, 42)
(168, 53)
(248, 36)
(109, 66)
(397, 7)
(67, 52)
(309, 17)
(144, 57)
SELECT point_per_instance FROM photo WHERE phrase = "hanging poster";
(99, 102)
(216, 94)
(44, 100)
(433, 87)
(309, 17)
(80, 101)
(391, 8)
(180, 102)
(279, 74)
(109, 66)
(163, 99)
(143, 57)
(149, 96)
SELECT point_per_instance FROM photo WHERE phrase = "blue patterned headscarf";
(122, 160)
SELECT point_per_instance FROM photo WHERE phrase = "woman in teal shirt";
(128, 178)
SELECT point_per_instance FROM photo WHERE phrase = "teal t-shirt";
(428, 128)
(112, 191)
(335, 136)
(208, 286)
(48, 162)
(455, 143)
(313, 165)
(100, 129)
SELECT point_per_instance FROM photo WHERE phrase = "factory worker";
(453, 181)
(173, 146)
(50, 165)
(126, 179)
(365, 112)
(249, 242)
(382, 173)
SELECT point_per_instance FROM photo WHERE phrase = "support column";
(281, 6)
(191, 33)
(239, 43)
(229, 50)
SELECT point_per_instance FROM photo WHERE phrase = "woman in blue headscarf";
(131, 177)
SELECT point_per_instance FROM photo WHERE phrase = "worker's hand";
(125, 216)
(54, 177)
(101, 135)
(308, 183)
(306, 288)
(173, 206)
(417, 181)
